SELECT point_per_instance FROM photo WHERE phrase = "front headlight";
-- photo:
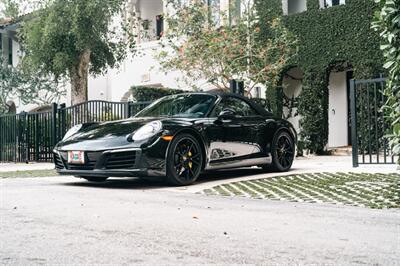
(147, 131)
(72, 131)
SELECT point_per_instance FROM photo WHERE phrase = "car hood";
(107, 135)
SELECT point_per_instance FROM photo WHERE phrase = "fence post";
(62, 120)
(54, 124)
(25, 134)
(37, 131)
(129, 113)
(2, 127)
(354, 138)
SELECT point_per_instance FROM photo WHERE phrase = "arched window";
(12, 109)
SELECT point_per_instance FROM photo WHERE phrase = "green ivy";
(334, 38)
(387, 22)
(144, 94)
(314, 114)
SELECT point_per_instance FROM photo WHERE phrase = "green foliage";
(387, 22)
(263, 102)
(274, 98)
(144, 94)
(312, 106)
(58, 35)
(11, 8)
(70, 38)
(335, 38)
(204, 46)
(339, 34)
(28, 87)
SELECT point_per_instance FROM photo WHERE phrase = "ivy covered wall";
(330, 39)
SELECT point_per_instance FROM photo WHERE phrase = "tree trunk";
(79, 79)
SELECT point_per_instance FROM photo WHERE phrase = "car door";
(234, 141)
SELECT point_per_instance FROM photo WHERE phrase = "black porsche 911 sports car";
(178, 137)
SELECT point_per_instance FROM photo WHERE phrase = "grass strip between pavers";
(355, 189)
(26, 174)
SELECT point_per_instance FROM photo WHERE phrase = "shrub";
(144, 94)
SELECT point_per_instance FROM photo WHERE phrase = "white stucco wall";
(149, 9)
(142, 70)
(338, 110)
(98, 88)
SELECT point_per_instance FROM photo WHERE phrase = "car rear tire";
(95, 179)
(283, 150)
(184, 160)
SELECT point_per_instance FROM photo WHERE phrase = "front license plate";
(76, 157)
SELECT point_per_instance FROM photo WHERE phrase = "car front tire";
(184, 160)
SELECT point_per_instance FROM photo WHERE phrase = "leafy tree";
(72, 38)
(11, 8)
(206, 44)
(387, 22)
(28, 87)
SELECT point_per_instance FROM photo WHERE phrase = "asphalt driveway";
(61, 220)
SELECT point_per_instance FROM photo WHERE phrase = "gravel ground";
(60, 220)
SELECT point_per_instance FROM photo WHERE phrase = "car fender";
(196, 133)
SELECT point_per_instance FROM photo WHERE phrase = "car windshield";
(181, 105)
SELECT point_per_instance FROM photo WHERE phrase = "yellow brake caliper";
(190, 162)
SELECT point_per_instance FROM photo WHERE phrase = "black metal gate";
(27, 137)
(368, 123)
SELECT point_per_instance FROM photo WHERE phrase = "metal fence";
(29, 137)
(368, 123)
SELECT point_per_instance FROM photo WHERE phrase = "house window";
(296, 6)
(10, 51)
(236, 86)
(12, 109)
(329, 3)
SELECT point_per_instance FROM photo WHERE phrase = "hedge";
(144, 94)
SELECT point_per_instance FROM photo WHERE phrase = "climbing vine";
(334, 38)
(387, 22)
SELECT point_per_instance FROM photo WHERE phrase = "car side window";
(239, 106)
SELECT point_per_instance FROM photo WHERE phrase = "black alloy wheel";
(184, 160)
(282, 152)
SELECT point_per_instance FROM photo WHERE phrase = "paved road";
(65, 221)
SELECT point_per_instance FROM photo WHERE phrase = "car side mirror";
(227, 114)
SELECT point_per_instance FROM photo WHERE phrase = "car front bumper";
(111, 173)
(113, 163)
